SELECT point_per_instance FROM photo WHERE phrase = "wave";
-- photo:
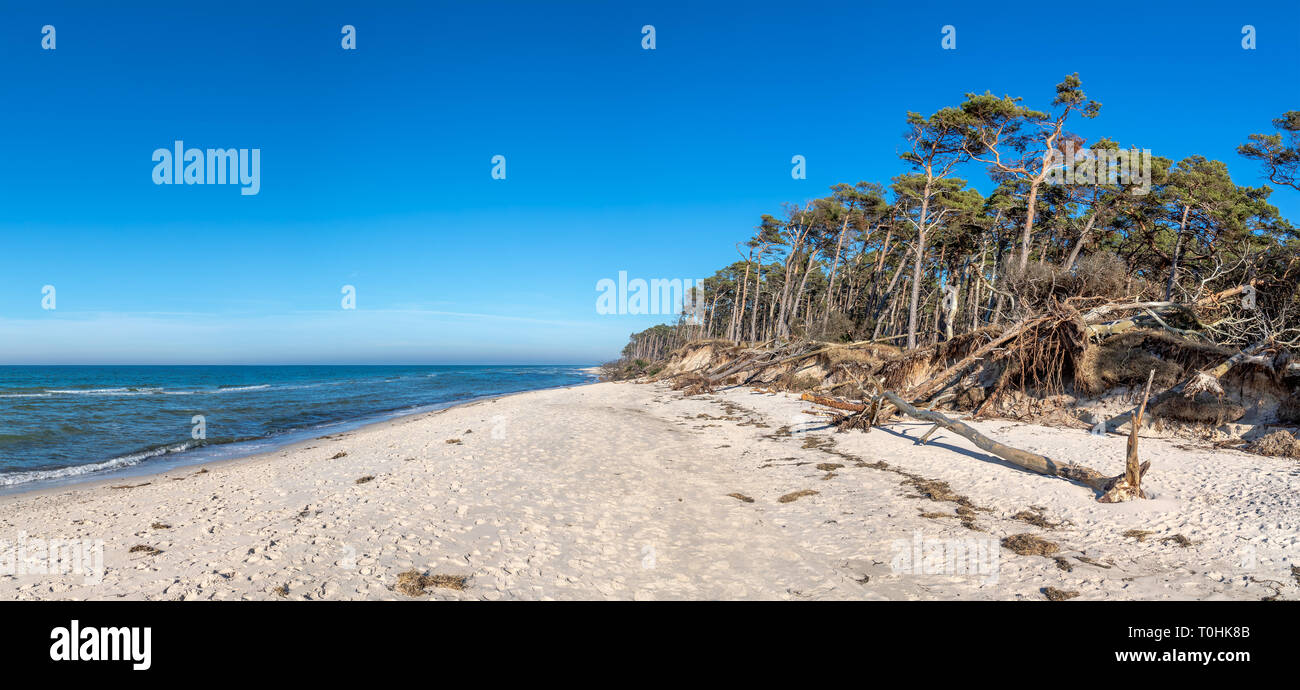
(103, 391)
(51, 392)
(236, 389)
(82, 422)
(12, 478)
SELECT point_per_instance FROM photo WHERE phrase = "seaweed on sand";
(1054, 594)
(413, 583)
(796, 495)
(1030, 545)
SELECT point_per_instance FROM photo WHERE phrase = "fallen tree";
(1024, 459)
(955, 372)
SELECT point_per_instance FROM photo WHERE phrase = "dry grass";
(741, 497)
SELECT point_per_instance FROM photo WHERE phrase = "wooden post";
(1129, 486)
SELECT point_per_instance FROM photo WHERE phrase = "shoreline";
(143, 469)
(627, 491)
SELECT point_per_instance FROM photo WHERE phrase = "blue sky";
(375, 163)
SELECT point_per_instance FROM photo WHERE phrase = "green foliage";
(841, 267)
(1279, 153)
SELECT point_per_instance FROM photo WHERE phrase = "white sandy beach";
(622, 491)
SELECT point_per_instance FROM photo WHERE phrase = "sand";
(630, 491)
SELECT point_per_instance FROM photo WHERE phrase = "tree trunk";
(1078, 244)
(916, 288)
(835, 264)
(1178, 249)
(1021, 458)
(1027, 233)
(758, 279)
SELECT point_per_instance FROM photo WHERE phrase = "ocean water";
(60, 424)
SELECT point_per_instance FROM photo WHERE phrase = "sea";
(64, 424)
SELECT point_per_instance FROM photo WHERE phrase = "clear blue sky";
(375, 164)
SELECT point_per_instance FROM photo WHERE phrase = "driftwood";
(1150, 314)
(1021, 458)
(1152, 311)
(1211, 300)
(1129, 486)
